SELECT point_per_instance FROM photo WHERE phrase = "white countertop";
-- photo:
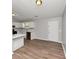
(17, 36)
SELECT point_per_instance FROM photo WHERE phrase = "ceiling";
(26, 10)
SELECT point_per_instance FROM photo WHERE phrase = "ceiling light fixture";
(39, 2)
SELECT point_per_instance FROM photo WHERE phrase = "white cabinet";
(28, 25)
(24, 25)
(17, 25)
(17, 41)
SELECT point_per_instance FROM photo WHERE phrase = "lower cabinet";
(17, 43)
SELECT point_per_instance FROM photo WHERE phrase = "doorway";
(28, 35)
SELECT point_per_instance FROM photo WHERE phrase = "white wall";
(42, 29)
(64, 30)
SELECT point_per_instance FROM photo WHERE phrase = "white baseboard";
(46, 39)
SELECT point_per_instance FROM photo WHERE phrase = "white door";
(53, 30)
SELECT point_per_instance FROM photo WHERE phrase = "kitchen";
(21, 32)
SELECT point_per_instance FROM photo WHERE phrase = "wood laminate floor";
(39, 49)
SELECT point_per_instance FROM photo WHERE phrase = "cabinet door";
(17, 25)
(28, 24)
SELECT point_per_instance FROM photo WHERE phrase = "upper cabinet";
(17, 25)
(26, 25)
